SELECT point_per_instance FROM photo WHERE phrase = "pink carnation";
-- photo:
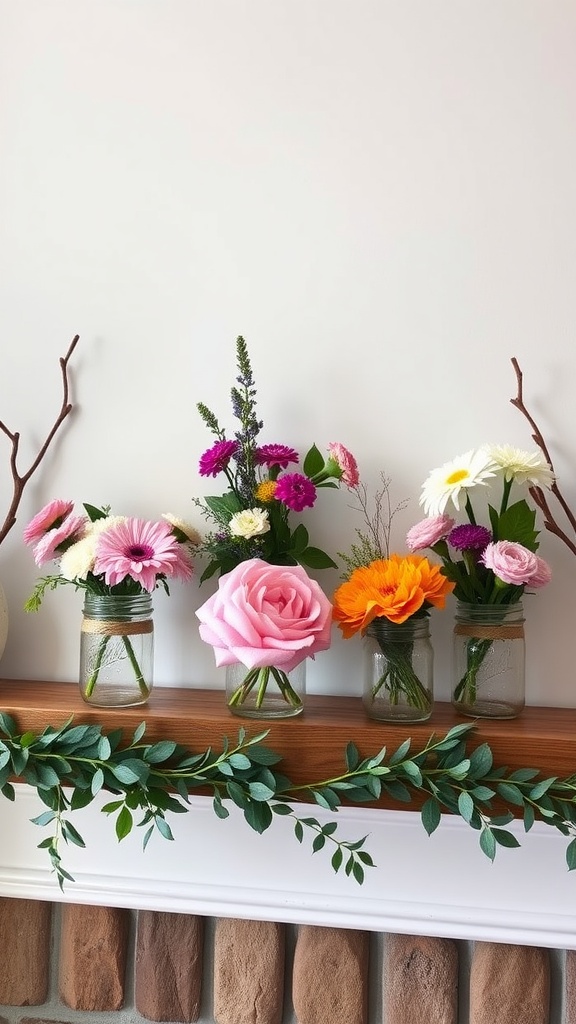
(266, 614)
(543, 574)
(346, 463)
(49, 544)
(428, 532)
(46, 519)
(511, 562)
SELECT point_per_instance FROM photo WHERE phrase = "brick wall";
(82, 964)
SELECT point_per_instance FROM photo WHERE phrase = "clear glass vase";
(266, 692)
(398, 676)
(116, 649)
(488, 660)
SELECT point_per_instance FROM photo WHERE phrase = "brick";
(570, 981)
(168, 973)
(248, 972)
(420, 980)
(93, 948)
(509, 984)
(25, 962)
(330, 977)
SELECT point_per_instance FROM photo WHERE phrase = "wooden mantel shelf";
(312, 744)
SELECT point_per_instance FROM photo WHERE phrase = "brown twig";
(20, 480)
(537, 493)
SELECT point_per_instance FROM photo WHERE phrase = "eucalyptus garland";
(71, 764)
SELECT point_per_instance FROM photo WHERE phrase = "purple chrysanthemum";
(296, 491)
(216, 459)
(275, 455)
(141, 550)
(469, 537)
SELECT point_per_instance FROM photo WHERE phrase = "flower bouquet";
(489, 565)
(267, 619)
(118, 562)
(251, 519)
(389, 601)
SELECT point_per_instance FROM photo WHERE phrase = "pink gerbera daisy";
(50, 544)
(216, 459)
(49, 517)
(275, 455)
(296, 491)
(139, 549)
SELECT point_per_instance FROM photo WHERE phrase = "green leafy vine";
(71, 764)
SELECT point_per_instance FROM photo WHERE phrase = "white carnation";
(251, 522)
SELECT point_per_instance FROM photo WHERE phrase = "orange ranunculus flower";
(394, 588)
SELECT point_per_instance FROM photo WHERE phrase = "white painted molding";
(441, 885)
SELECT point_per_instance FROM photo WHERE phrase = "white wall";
(377, 195)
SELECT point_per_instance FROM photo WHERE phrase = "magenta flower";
(511, 562)
(295, 491)
(346, 463)
(141, 550)
(47, 518)
(469, 537)
(275, 455)
(428, 532)
(49, 545)
(216, 459)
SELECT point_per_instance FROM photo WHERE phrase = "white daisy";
(522, 467)
(468, 470)
(189, 531)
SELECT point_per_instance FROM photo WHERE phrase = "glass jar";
(398, 670)
(266, 692)
(116, 649)
(488, 660)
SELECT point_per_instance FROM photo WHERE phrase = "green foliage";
(69, 765)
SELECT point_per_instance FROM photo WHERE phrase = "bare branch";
(21, 479)
(538, 495)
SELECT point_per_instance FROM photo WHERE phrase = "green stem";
(261, 677)
(93, 677)
(400, 678)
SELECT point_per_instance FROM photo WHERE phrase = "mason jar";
(116, 649)
(398, 670)
(488, 660)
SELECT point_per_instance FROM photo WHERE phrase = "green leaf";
(164, 828)
(258, 791)
(488, 843)
(318, 843)
(540, 788)
(97, 781)
(239, 761)
(466, 806)
(130, 771)
(7, 724)
(358, 872)
(431, 815)
(223, 506)
(298, 831)
(337, 858)
(481, 760)
(124, 823)
(161, 751)
(504, 838)
(571, 855)
(529, 817)
(299, 540)
(139, 732)
(94, 513)
(352, 756)
(400, 753)
(313, 462)
(72, 835)
(509, 792)
(43, 819)
(517, 524)
(314, 558)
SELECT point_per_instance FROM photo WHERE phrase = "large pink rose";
(266, 614)
(511, 562)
